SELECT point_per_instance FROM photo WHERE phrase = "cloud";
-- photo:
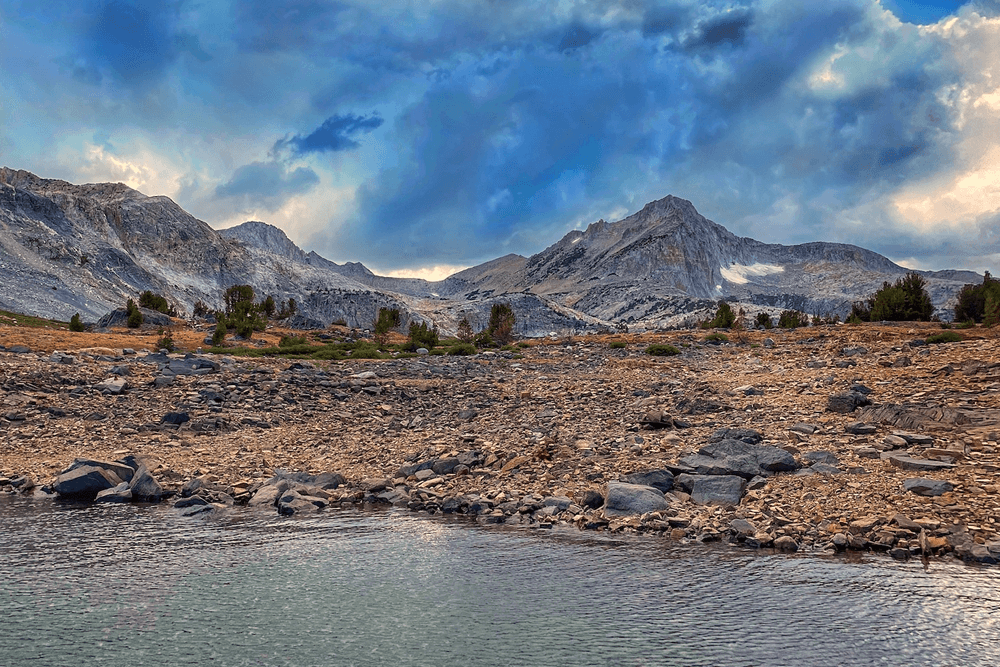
(267, 184)
(335, 134)
(134, 41)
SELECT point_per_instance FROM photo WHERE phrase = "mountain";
(68, 248)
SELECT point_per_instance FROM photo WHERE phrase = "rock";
(860, 428)
(116, 494)
(85, 482)
(894, 441)
(291, 502)
(144, 487)
(445, 466)
(928, 487)
(806, 429)
(122, 471)
(786, 544)
(821, 456)
(266, 495)
(113, 386)
(177, 418)
(661, 480)
(591, 499)
(839, 541)
(768, 342)
(742, 528)
(746, 435)
(846, 401)
(717, 489)
(854, 351)
(867, 453)
(904, 462)
(914, 438)
(192, 501)
(825, 469)
(630, 499)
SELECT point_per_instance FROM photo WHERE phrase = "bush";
(219, 335)
(724, 317)
(201, 308)
(717, 338)
(465, 333)
(386, 320)
(618, 345)
(501, 326)
(134, 315)
(661, 350)
(152, 301)
(764, 320)
(905, 301)
(287, 309)
(971, 303)
(292, 341)
(366, 351)
(462, 350)
(165, 342)
(792, 319)
(968, 324)
(945, 337)
(483, 339)
(423, 336)
(75, 324)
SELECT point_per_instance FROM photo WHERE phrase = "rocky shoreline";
(827, 438)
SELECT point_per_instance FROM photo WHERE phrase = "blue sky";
(422, 136)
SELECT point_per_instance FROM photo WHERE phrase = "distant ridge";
(68, 248)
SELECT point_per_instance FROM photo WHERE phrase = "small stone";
(786, 544)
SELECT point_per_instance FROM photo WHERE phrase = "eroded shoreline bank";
(545, 439)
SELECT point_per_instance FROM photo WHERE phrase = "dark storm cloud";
(336, 133)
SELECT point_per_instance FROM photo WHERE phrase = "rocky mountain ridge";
(68, 248)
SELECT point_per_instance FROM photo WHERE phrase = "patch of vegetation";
(618, 345)
(716, 338)
(151, 301)
(386, 320)
(21, 320)
(662, 350)
(980, 303)
(134, 315)
(524, 345)
(438, 352)
(906, 300)
(423, 336)
(764, 320)
(724, 318)
(366, 351)
(287, 309)
(945, 337)
(465, 333)
(219, 335)
(292, 341)
(75, 324)
(968, 324)
(500, 329)
(166, 342)
(792, 319)
(462, 350)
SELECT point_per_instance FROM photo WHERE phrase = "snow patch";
(740, 274)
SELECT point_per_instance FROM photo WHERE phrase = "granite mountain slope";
(68, 248)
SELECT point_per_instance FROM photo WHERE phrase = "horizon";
(422, 144)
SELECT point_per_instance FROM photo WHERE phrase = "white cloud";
(429, 273)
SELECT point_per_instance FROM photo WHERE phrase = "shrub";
(219, 335)
(945, 337)
(724, 317)
(483, 339)
(764, 320)
(661, 350)
(292, 341)
(287, 309)
(366, 351)
(75, 324)
(618, 345)
(438, 352)
(524, 345)
(134, 315)
(465, 333)
(792, 319)
(165, 342)
(905, 301)
(968, 324)
(717, 338)
(462, 349)
(268, 307)
(152, 301)
(501, 325)
(971, 303)
(386, 320)
(201, 309)
(423, 336)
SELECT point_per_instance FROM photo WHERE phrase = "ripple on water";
(129, 585)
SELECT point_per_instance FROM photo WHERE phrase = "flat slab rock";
(928, 487)
(630, 499)
(717, 489)
(904, 462)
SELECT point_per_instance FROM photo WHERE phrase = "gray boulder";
(661, 480)
(144, 487)
(846, 402)
(85, 482)
(717, 489)
(922, 465)
(117, 494)
(630, 499)
(123, 472)
(928, 487)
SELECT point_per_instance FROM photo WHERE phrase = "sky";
(424, 136)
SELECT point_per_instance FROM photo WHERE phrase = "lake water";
(139, 585)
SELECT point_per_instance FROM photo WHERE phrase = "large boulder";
(661, 480)
(144, 487)
(717, 489)
(738, 457)
(85, 482)
(123, 471)
(629, 499)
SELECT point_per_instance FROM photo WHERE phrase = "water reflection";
(140, 585)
